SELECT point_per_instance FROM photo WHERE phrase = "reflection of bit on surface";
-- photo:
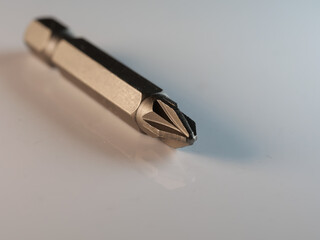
(127, 94)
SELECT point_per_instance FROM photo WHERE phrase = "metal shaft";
(127, 94)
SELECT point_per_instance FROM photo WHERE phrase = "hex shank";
(127, 94)
(115, 85)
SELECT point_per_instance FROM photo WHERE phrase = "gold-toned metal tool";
(133, 98)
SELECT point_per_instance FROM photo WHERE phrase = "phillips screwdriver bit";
(130, 96)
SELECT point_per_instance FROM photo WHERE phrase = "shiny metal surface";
(111, 83)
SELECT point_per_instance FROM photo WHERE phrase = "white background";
(246, 71)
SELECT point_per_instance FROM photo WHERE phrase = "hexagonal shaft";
(110, 82)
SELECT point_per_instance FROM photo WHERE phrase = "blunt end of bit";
(160, 117)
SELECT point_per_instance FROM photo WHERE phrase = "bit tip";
(158, 116)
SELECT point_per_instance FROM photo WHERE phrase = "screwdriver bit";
(128, 95)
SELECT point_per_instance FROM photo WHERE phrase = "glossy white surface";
(247, 73)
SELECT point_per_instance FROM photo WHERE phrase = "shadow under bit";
(35, 83)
